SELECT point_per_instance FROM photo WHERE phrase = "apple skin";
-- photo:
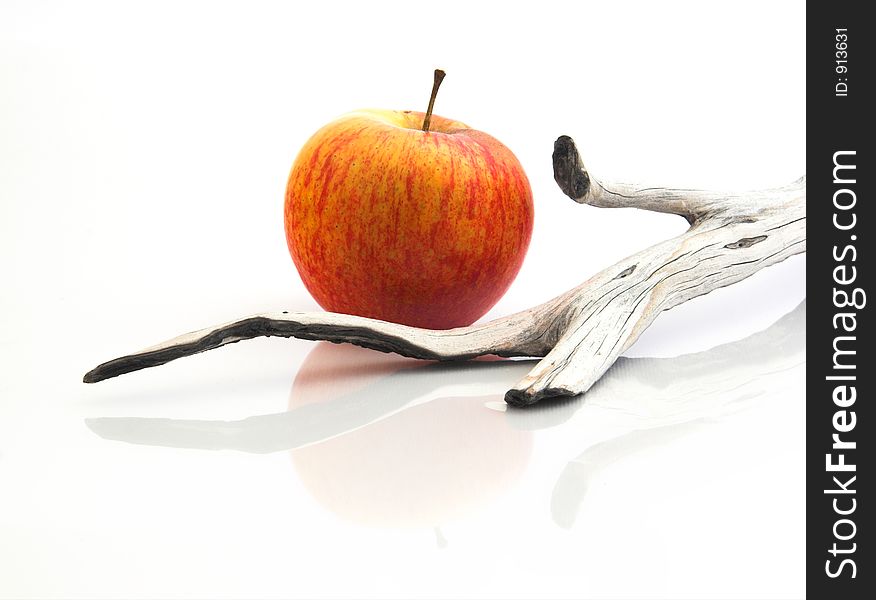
(387, 221)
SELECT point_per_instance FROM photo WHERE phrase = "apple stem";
(439, 77)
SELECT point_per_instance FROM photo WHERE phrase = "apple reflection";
(432, 462)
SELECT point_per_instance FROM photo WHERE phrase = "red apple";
(425, 228)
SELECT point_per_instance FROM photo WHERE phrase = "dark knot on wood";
(746, 242)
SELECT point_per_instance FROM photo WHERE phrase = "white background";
(144, 150)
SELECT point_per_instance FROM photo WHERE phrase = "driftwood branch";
(582, 332)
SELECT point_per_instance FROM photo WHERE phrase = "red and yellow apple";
(386, 220)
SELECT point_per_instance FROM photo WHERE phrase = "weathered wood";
(582, 332)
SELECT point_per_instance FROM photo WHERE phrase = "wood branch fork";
(582, 332)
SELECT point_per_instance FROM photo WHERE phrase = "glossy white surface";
(143, 159)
